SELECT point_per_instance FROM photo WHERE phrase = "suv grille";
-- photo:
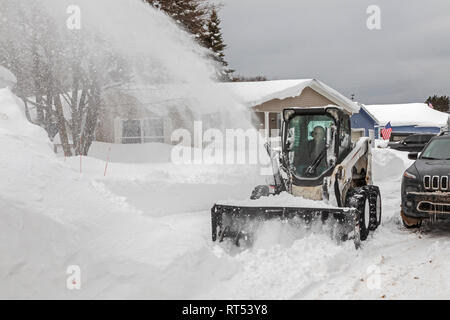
(436, 183)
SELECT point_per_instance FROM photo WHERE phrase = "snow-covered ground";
(143, 231)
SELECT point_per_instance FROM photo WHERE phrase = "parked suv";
(413, 143)
(426, 184)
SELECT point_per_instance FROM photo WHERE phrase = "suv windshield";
(306, 138)
(438, 149)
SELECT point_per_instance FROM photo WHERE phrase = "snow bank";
(135, 233)
(143, 231)
(7, 79)
(12, 117)
(389, 164)
(380, 143)
(131, 153)
(32, 238)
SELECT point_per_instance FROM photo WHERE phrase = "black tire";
(359, 198)
(260, 191)
(375, 207)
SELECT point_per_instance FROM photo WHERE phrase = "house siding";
(308, 98)
(363, 120)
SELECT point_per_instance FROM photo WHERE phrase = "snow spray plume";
(163, 66)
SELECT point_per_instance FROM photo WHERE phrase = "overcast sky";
(406, 61)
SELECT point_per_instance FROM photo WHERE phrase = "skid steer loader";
(317, 161)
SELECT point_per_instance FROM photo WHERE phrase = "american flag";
(386, 132)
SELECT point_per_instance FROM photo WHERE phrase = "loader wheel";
(375, 207)
(359, 199)
(260, 191)
(410, 223)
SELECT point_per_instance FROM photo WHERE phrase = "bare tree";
(60, 72)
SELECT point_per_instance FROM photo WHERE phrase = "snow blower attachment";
(317, 161)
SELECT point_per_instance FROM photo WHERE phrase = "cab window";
(345, 138)
(306, 137)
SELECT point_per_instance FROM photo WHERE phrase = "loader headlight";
(409, 175)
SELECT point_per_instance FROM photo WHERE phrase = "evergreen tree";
(440, 103)
(248, 79)
(213, 40)
(199, 18)
(189, 14)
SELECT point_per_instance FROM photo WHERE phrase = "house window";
(131, 131)
(142, 130)
(153, 130)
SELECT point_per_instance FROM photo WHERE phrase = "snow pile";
(7, 79)
(13, 120)
(389, 164)
(143, 231)
(29, 240)
(131, 153)
(135, 233)
(410, 114)
(285, 269)
(381, 143)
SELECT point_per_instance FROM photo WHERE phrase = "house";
(267, 99)
(133, 114)
(364, 122)
(404, 118)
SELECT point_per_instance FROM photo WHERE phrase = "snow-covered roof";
(258, 92)
(409, 114)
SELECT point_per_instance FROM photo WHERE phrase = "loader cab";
(314, 141)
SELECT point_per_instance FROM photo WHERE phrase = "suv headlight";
(409, 175)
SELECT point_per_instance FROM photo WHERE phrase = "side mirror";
(413, 155)
(404, 143)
